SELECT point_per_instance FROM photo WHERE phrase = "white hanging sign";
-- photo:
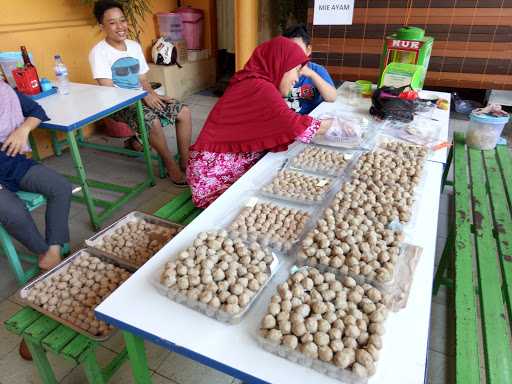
(333, 12)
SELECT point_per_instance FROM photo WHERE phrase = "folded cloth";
(491, 109)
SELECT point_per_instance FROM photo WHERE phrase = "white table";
(362, 110)
(139, 308)
(83, 105)
(501, 97)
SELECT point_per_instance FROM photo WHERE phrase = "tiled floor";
(168, 367)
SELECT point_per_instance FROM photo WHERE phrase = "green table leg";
(145, 142)
(33, 145)
(92, 369)
(80, 135)
(447, 256)
(41, 361)
(80, 170)
(55, 143)
(137, 356)
(446, 170)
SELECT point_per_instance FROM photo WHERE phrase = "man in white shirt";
(119, 62)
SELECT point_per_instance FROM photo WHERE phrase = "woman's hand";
(15, 142)
(154, 101)
(324, 126)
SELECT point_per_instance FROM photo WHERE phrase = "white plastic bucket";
(170, 25)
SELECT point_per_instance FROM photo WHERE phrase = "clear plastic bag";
(322, 160)
(269, 237)
(298, 187)
(346, 131)
(422, 131)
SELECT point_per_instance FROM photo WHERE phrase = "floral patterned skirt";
(209, 174)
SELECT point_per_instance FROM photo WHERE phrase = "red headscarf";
(252, 115)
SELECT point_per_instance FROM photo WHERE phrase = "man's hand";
(18, 138)
(306, 71)
(167, 99)
(154, 101)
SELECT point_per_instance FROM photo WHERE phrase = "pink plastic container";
(192, 20)
(170, 25)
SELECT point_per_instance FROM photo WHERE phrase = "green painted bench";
(42, 333)
(480, 247)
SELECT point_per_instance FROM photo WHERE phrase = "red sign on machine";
(410, 45)
(402, 51)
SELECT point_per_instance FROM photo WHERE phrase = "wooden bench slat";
(503, 222)
(183, 212)
(192, 216)
(174, 204)
(466, 331)
(77, 347)
(59, 338)
(494, 326)
(505, 161)
(40, 328)
(21, 320)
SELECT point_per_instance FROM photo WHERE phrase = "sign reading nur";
(333, 12)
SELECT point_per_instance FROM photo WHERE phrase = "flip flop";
(129, 144)
(181, 184)
(24, 351)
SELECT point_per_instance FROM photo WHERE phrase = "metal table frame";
(74, 139)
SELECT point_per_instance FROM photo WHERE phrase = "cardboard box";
(180, 83)
(197, 54)
(181, 47)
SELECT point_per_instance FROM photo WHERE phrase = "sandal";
(134, 144)
(180, 184)
(24, 351)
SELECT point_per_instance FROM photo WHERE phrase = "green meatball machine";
(405, 58)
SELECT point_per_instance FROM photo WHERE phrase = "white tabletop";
(363, 107)
(85, 104)
(501, 97)
(137, 306)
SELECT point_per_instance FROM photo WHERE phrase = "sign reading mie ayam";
(332, 12)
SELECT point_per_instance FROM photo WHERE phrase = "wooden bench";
(180, 209)
(481, 242)
(42, 333)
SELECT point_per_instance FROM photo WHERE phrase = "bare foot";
(175, 173)
(183, 164)
(51, 258)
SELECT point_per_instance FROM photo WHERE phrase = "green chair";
(32, 201)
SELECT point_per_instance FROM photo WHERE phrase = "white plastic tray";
(216, 313)
(267, 238)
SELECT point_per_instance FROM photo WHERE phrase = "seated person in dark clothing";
(18, 116)
(315, 84)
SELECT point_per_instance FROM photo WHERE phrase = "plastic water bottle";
(61, 74)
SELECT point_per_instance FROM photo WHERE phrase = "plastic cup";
(365, 87)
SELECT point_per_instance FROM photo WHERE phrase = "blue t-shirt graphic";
(305, 92)
(125, 73)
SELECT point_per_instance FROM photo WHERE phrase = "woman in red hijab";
(250, 119)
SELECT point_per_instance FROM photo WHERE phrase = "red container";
(27, 80)
(192, 20)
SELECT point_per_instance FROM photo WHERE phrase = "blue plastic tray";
(50, 92)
